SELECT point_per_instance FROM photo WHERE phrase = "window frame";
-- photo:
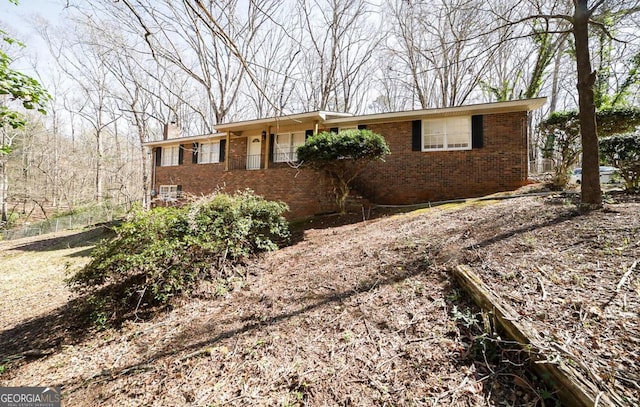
(291, 155)
(214, 145)
(170, 156)
(447, 122)
(169, 195)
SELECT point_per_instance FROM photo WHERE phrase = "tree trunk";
(591, 194)
(4, 187)
(4, 179)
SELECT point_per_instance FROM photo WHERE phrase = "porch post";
(226, 153)
(267, 149)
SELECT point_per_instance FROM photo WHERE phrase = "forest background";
(118, 71)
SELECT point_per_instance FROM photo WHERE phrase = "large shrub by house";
(342, 156)
(165, 252)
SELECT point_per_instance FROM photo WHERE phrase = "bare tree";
(440, 57)
(210, 43)
(92, 102)
(338, 42)
(580, 17)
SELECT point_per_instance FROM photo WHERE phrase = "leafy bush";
(561, 133)
(342, 156)
(624, 152)
(165, 252)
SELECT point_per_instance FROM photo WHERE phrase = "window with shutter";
(209, 153)
(285, 146)
(447, 133)
(170, 156)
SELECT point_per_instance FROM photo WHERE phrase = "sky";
(19, 22)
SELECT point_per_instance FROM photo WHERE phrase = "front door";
(254, 153)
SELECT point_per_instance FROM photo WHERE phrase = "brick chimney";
(171, 130)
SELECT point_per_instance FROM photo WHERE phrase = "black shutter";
(477, 131)
(194, 157)
(334, 130)
(179, 191)
(158, 156)
(223, 150)
(272, 146)
(180, 154)
(416, 135)
(362, 127)
(308, 133)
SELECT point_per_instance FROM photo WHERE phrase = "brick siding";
(306, 192)
(405, 177)
(409, 177)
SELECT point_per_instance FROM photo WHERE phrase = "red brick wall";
(406, 177)
(304, 191)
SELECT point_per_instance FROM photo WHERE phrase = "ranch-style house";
(436, 154)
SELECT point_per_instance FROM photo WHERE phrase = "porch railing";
(246, 162)
(285, 155)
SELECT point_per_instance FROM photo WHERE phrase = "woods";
(119, 71)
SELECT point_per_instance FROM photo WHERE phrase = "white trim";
(521, 105)
(168, 193)
(447, 128)
(299, 118)
(170, 156)
(182, 140)
(334, 119)
(285, 151)
(209, 153)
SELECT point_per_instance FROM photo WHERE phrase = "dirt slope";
(363, 314)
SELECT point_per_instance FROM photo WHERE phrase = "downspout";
(153, 177)
(315, 128)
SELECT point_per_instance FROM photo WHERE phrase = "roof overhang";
(482, 108)
(181, 140)
(329, 119)
(294, 119)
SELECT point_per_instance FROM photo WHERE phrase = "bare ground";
(360, 314)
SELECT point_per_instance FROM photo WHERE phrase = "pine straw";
(364, 315)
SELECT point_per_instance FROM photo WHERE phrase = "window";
(209, 153)
(285, 145)
(170, 156)
(451, 133)
(168, 193)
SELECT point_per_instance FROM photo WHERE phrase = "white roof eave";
(180, 140)
(483, 108)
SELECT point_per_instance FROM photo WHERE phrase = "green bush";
(164, 252)
(561, 132)
(342, 156)
(623, 152)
